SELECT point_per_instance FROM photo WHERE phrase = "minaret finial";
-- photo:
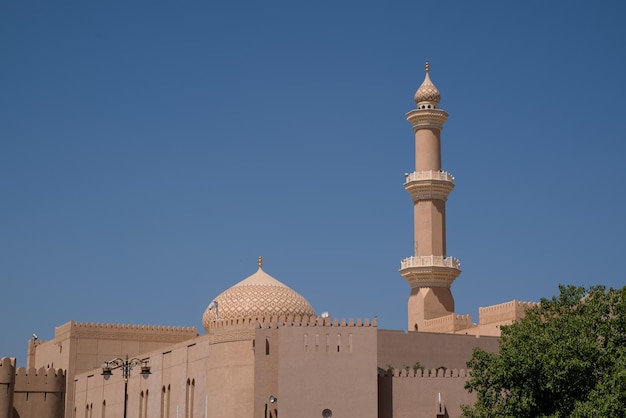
(427, 67)
(260, 261)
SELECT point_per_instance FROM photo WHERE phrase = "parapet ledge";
(73, 329)
(508, 311)
(7, 370)
(427, 373)
(448, 323)
(7, 362)
(314, 321)
(39, 380)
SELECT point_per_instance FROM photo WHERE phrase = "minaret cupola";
(427, 96)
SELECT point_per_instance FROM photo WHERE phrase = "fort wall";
(399, 349)
(30, 392)
(306, 362)
(504, 312)
(448, 323)
(7, 386)
(434, 393)
(79, 347)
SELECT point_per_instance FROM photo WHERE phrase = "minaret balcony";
(427, 118)
(428, 185)
(430, 270)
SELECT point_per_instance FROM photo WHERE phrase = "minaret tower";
(430, 272)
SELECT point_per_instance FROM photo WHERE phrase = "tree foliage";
(565, 358)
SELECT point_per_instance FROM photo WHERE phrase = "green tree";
(565, 358)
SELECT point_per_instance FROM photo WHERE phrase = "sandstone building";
(266, 351)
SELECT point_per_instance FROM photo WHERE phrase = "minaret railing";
(430, 260)
(429, 175)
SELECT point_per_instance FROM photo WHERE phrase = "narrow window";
(187, 395)
(267, 346)
(163, 402)
(191, 396)
(145, 405)
(167, 401)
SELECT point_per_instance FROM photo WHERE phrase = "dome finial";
(260, 261)
(427, 68)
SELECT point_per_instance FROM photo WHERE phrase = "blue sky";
(151, 151)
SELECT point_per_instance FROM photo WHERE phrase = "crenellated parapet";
(94, 330)
(40, 380)
(407, 372)
(7, 370)
(448, 323)
(317, 321)
(504, 312)
(7, 386)
(243, 329)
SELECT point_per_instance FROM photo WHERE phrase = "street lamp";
(126, 365)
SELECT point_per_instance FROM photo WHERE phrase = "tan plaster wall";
(427, 150)
(409, 397)
(334, 369)
(428, 303)
(7, 384)
(430, 227)
(188, 379)
(431, 350)
(82, 347)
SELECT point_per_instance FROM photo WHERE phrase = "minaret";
(430, 272)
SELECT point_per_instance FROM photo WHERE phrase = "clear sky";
(151, 151)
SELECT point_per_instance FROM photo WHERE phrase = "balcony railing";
(429, 175)
(430, 260)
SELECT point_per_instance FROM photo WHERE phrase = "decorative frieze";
(427, 118)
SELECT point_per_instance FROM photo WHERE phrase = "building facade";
(265, 351)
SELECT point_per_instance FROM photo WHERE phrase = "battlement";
(441, 372)
(292, 321)
(96, 330)
(7, 370)
(39, 380)
(508, 311)
(316, 321)
(242, 329)
(448, 323)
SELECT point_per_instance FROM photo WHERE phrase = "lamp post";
(126, 365)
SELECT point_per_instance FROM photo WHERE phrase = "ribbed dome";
(427, 92)
(259, 295)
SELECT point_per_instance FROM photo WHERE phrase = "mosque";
(267, 352)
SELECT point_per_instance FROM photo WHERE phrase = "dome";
(427, 92)
(259, 295)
